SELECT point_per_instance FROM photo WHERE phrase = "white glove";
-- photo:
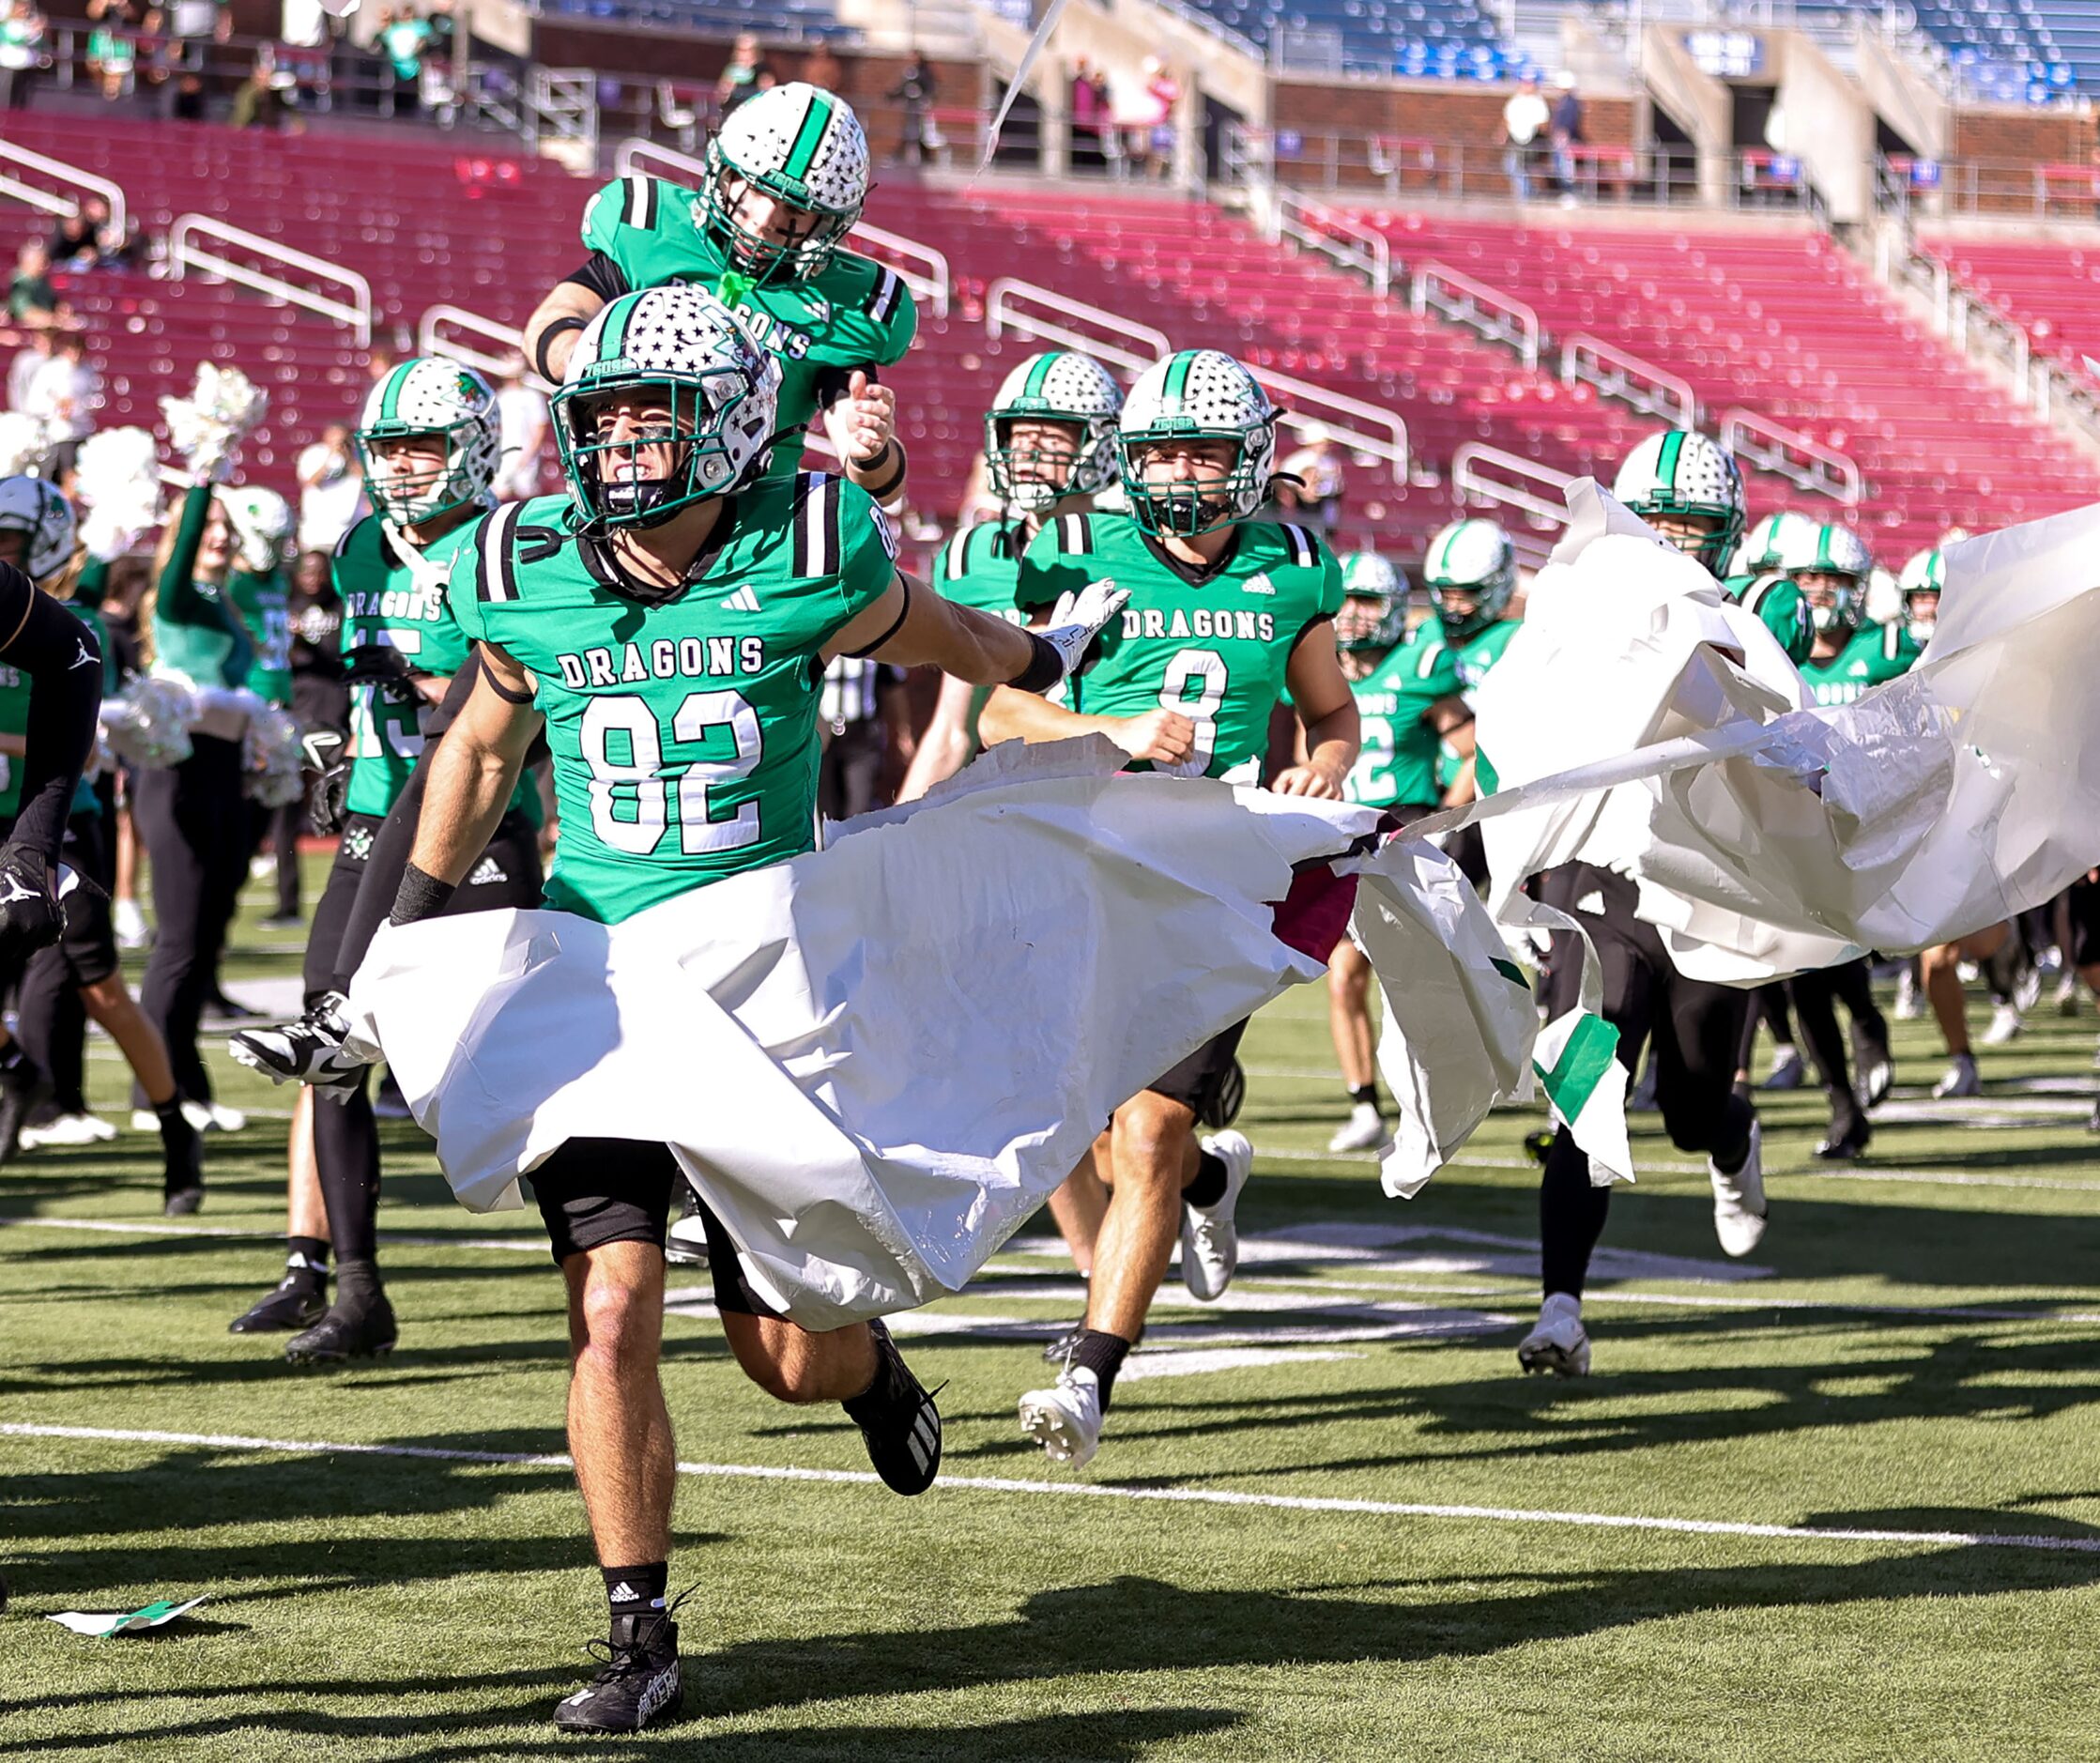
(1077, 620)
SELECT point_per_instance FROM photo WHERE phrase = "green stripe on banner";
(1509, 971)
(1590, 1050)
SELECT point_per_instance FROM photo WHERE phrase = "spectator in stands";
(403, 38)
(76, 240)
(258, 103)
(186, 103)
(113, 48)
(1565, 131)
(1315, 497)
(22, 50)
(1162, 92)
(1086, 150)
(1525, 118)
(747, 74)
(31, 298)
(23, 369)
(329, 486)
(823, 69)
(522, 423)
(914, 91)
(66, 393)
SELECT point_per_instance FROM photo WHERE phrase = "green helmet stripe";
(1666, 463)
(808, 138)
(1823, 558)
(612, 340)
(1037, 375)
(1440, 559)
(1177, 376)
(391, 396)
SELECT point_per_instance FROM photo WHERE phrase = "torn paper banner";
(124, 1622)
(877, 1060)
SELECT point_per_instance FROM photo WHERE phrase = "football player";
(786, 178)
(38, 538)
(428, 442)
(1470, 569)
(1049, 449)
(668, 625)
(1689, 490)
(1410, 704)
(1226, 612)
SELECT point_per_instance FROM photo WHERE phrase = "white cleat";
(1876, 1080)
(204, 1116)
(1789, 1069)
(1739, 1199)
(1209, 1238)
(2027, 989)
(1364, 1130)
(1910, 1002)
(1961, 1080)
(1065, 1418)
(68, 1130)
(2005, 1025)
(2067, 995)
(1558, 1343)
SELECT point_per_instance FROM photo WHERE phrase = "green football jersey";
(1398, 765)
(684, 727)
(264, 603)
(14, 720)
(385, 604)
(1877, 655)
(1476, 653)
(980, 566)
(1213, 644)
(1778, 604)
(854, 313)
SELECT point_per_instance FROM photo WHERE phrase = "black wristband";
(1044, 669)
(552, 329)
(882, 492)
(419, 895)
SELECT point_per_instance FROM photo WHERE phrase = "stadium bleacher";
(1460, 39)
(2051, 290)
(801, 19)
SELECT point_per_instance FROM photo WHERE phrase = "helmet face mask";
(667, 401)
(1684, 475)
(1923, 576)
(429, 399)
(1373, 615)
(1050, 432)
(787, 179)
(1195, 445)
(1832, 566)
(1470, 569)
(39, 531)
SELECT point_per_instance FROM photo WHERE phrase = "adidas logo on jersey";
(743, 600)
(1258, 585)
(624, 1592)
(486, 874)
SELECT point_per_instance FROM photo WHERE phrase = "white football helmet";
(1197, 395)
(263, 524)
(1833, 566)
(1762, 545)
(720, 391)
(802, 146)
(35, 508)
(1923, 579)
(1685, 473)
(1374, 610)
(1474, 560)
(1059, 386)
(431, 395)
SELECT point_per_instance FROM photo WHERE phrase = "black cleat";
(1059, 1349)
(1847, 1146)
(317, 1049)
(182, 1165)
(299, 1300)
(897, 1420)
(22, 1091)
(637, 1681)
(180, 1202)
(349, 1332)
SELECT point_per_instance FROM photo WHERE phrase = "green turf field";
(1331, 1522)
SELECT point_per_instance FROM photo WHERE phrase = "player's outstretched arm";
(556, 324)
(472, 779)
(1328, 707)
(913, 627)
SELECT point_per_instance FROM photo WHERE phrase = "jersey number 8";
(637, 782)
(1203, 670)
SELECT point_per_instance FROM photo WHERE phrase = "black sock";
(356, 1284)
(179, 1150)
(1208, 1187)
(637, 1590)
(306, 1259)
(1732, 1148)
(1102, 1354)
(1364, 1094)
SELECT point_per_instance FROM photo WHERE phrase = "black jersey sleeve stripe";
(830, 523)
(1302, 553)
(883, 301)
(495, 577)
(639, 207)
(815, 541)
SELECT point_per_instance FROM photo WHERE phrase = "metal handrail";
(52, 203)
(1520, 323)
(1002, 316)
(1777, 448)
(1346, 242)
(1471, 484)
(926, 272)
(431, 340)
(184, 255)
(1649, 388)
(1364, 428)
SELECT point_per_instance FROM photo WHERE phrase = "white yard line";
(1093, 1490)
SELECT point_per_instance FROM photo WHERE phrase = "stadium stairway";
(1782, 323)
